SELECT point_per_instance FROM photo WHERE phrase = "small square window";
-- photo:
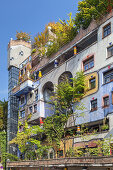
(22, 113)
(108, 76)
(35, 108)
(30, 95)
(88, 63)
(30, 109)
(110, 51)
(60, 153)
(22, 100)
(106, 30)
(94, 105)
(106, 101)
(36, 95)
(92, 83)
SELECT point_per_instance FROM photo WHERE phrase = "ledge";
(65, 162)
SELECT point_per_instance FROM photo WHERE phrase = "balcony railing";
(23, 88)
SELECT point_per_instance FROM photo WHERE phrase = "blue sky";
(30, 16)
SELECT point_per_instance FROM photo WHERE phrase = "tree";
(3, 130)
(3, 115)
(60, 34)
(3, 147)
(66, 94)
(26, 141)
(90, 9)
(23, 36)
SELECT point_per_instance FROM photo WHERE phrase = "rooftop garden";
(56, 35)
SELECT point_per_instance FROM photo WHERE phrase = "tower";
(18, 51)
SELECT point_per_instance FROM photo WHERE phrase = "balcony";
(23, 88)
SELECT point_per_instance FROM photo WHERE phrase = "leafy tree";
(26, 141)
(3, 115)
(3, 147)
(61, 33)
(90, 9)
(23, 36)
(3, 130)
(66, 94)
(65, 31)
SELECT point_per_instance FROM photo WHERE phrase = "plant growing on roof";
(90, 9)
(23, 36)
(60, 33)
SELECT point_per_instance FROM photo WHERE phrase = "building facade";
(92, 52)
(18, 50)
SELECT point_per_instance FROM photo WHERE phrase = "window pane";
(94, 105)
(107, 30)
(106, 101)
(110, 51)
(108, 76)
(92, 83)
(89, 63)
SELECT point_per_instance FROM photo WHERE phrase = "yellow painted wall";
(87, 78)
(68, 144)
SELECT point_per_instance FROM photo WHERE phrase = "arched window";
(48, 91)
(64, 76)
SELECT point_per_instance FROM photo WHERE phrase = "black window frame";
(108, 76)
(107, 30)
(35, 108)
(106, 101)
(93, 104)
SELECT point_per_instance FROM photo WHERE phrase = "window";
(30, 95)
(22, 100)
(22, 113)
(108, 76)
(25, 69)
(30, 109)
(92, 83)
(36, 95)
(106, 101)
(89, 63)
(60, 153)
(110, 51)
(35, 108)
(21, 72)
(106, 30)
(94, 105)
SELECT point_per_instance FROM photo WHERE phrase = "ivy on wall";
(3, 147)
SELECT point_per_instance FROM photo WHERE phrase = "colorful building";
(92, 52)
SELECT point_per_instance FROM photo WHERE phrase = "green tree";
(3, 147)
(65, 95)
(91, 9)
(3, 115)
(3, 130)
(27, 142)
